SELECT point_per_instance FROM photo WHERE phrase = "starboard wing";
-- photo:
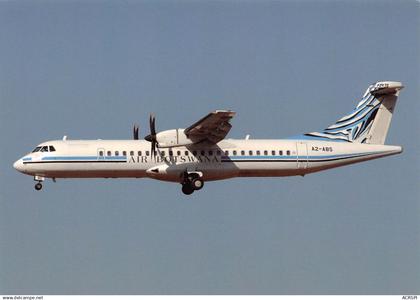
(212, 128)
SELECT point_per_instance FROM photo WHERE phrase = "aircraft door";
(101, 154)
(302, 155)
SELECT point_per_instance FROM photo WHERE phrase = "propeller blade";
(152, 136)
(153, 148)
(136, 132)
(152, 121)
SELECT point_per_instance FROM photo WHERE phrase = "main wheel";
(197, 184)
(187, 189)
(38, 186)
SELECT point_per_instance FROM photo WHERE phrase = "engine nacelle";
(172, 138)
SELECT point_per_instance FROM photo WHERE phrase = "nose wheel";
(38, 186)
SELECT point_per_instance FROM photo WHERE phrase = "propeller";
(135, 132)
(152, 136)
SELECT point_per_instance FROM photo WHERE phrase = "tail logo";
(356, 125)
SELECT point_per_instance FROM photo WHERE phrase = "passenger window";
(227, 152)
(242, 152)
(250, 152)
(273, 152)
(101, 153)
(234, 152)
(124, 153)
(258, 152)
(44, 149)
(52, 149)
(117, 153)
(186, 153)
(265, 152)
(171, 153)
(108, 153)
(178, 153)
(281, 152)
(219, 153)
(210, 152)
(147, 153)
(162, 153)
(288, 152)
(195, 153)
(202, 152)
(131, 153)
(139, 153)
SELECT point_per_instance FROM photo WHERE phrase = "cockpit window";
(36, 149)
(44, 149)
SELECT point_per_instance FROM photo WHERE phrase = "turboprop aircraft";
(202, 153)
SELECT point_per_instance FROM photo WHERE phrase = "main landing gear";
(191, 182)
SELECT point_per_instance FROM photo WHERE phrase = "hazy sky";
(90, 69)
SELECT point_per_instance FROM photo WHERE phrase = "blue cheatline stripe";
(316, 138)
(113, 157)
(260, 156)
(27, 158)
(295, 157)
(84, 158)
(69, 157)
(234, 157)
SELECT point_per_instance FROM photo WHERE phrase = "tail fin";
(369, 121)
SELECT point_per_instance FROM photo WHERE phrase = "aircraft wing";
(212, 128)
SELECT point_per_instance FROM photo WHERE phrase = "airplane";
(201, 152)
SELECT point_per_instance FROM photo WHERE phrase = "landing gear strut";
(191, 182)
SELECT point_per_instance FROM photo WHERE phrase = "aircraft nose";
(18, 165)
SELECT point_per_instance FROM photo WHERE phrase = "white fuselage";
(229, 158)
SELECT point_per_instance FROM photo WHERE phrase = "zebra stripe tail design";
(369, 121)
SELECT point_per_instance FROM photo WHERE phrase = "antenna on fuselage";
(65, 138)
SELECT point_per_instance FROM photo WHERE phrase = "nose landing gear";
(40, 179)
(191, 182)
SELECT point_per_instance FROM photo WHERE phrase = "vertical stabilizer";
(379, 129)
(369, 121)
